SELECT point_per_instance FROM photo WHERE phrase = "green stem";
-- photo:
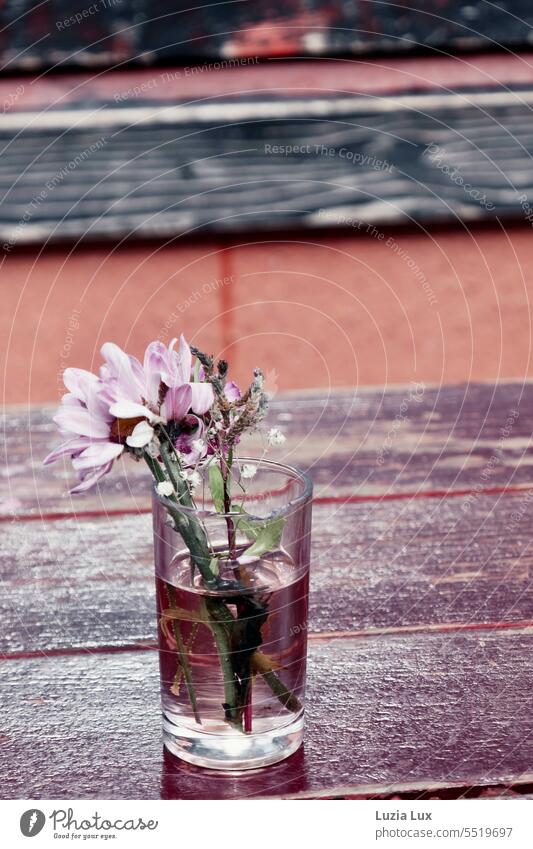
(218, 617)
(154, 467)
(189, 527)
(260, 663)
(225, 470)
(184, 495)
(184, 660)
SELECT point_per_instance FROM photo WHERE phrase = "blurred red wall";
(313, 310)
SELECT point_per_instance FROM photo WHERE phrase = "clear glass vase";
(233, 651)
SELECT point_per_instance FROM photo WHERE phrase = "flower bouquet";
(231, 536)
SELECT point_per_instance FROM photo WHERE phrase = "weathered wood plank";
(414, 710)
(425, 563)
(364, 442)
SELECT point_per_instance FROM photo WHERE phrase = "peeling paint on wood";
(89, 583)
(351, 442)
(421, 611)
(444, 708)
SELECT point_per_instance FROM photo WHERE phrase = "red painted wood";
(404, 711)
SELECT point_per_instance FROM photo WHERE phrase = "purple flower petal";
(79, 382)
(89, 480)
(71, 401)
(202, 397)
(97, 454)
(232, 391)
(120, 367)
(155, 364)
(78, 420)
(190, 442)
(137, 369)
(71, 447)
(177, 403)
(184, 361)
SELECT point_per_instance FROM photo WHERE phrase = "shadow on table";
(180, 780)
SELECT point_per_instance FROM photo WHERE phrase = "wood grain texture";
(396, 710)
(449, 563)
(245, 164)
(420, 621)
(362, 442)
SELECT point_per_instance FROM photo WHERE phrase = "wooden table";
(421, 612)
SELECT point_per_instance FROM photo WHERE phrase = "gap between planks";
(325, 499)
(520, 626)
(412, 788)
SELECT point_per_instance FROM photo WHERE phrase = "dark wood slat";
(450, 439)
(402, 710)
(37, 37)
(89, 583)
(247, 164)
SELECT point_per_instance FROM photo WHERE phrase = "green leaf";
(216, 485)
(250, 528)
(268, 539)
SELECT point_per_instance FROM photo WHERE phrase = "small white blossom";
(194, 479)
(275, 436)
(248, 470)
(154, 447)
(165, 488)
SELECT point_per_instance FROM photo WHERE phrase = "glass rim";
(289, 471)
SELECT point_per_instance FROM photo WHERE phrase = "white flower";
(165, 488)
(275, 436)
(191, 477)
(248, 470)
(141, 435)
(194, 479)
(154, 447)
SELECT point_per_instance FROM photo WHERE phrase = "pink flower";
(141, 385)
(177, 403)
(84, 419)
(162, 390)
(102, 416)
(202, 393)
